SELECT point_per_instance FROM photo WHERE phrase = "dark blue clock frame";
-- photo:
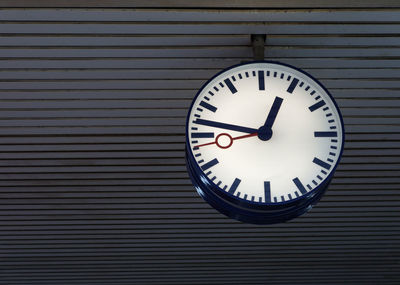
(248, 211)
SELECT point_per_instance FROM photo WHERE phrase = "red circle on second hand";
(230, 140)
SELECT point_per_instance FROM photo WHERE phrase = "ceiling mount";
(258, 42)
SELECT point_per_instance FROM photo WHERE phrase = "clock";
(263, 140)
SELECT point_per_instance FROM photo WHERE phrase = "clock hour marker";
(300, 185)
(208, 106)
(202, 135)
(317, 105)
(209, 164)
(292, 85)
(261, 80)
(234, 186)
(325, 134)
(230, 85)
(267, 191)
(321, 163)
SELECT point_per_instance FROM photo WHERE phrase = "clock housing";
(257, 176)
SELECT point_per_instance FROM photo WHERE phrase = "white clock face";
(265, 133)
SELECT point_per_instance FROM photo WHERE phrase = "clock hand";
(230, 138)
(265, 131)
(273, 112)
(225, 126)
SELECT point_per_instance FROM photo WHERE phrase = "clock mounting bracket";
(258, 43)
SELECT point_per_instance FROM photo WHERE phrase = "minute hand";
(225, 126)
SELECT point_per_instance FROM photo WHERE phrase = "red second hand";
(245, 136)
(232, 139)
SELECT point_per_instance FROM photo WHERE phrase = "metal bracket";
(258, 42)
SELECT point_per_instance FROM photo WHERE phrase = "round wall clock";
(263, 140)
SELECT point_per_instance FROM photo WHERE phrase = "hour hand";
(265, 131)
(225, 126)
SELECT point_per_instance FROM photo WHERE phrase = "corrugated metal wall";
(93, 185)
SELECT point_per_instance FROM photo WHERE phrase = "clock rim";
(240, 201)
(267, 215)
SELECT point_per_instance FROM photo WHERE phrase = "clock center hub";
(264, 133)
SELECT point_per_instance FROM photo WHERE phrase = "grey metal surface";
(93, 185)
